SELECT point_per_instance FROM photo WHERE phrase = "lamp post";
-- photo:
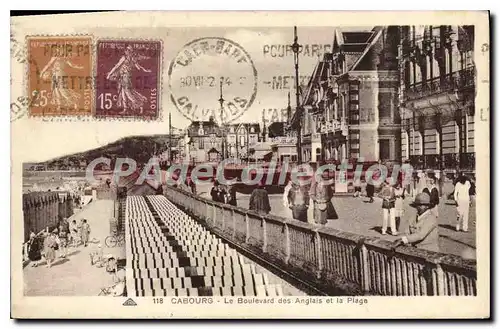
(295, 48)
(170, 138)
(221, 102)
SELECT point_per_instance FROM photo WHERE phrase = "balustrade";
(452, 161)
(337, 260)
(444, 83)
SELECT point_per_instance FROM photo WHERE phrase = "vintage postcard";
(250, 165)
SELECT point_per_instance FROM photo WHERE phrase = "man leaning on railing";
(423, 231)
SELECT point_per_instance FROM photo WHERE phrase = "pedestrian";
(34, 249)
(96, 256)
(434, 193)
(50, 246)
(222, 194)
(298, 200)
(231, 194)
(370, 187)
(407, 177)
(214, 192)
(357, 187)
(400, 194)
(119, 278)
(75, 239)
(370, 191)
(192, 185)
(462, 199)
(63, 240)
(288, 186)
(455, 181)
(79, 229)
(388, 207)
(422, 183)
(259, 200)
(423, 230)
(85, 232)
(321, 194)
(65, 224)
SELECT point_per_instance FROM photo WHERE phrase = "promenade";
(358, 216)
(73, 275)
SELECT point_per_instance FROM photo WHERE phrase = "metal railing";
(453, 161)
(336, 260)
(450, 82)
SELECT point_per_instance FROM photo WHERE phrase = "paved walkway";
(360, 217)
(74, 276)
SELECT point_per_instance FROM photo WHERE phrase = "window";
(242, 140)
(384, 149)
(252, 130)
(418, 73)
(428, 67)
(342, 106)
(468, 59)
(201, 143)
(318, 154)
(213, 140)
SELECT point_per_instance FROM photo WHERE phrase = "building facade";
(437, 97)
(241, 137)
(350, 106)
(207, 141)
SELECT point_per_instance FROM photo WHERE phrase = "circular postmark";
(19, 106)
(212, 77)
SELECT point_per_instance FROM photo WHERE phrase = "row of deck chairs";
(173, 255)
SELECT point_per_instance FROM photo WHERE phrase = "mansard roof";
(209, 127)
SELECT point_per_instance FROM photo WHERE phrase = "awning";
(261, 154)
(263, 146)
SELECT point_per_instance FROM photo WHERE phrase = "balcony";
(454, 161)
(458, 80)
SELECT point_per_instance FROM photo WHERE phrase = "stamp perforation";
(91, 117)
(159, 112)
(62, 117)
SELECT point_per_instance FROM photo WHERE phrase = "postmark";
(212, 77)
(59, 76)
(128, 79)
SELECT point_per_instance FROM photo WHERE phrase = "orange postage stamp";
(60, 76)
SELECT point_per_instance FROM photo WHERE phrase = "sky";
(264, 46)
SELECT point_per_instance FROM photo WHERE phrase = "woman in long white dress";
(53, 72)
(128, 97)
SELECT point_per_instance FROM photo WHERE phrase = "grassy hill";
(139, 148)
